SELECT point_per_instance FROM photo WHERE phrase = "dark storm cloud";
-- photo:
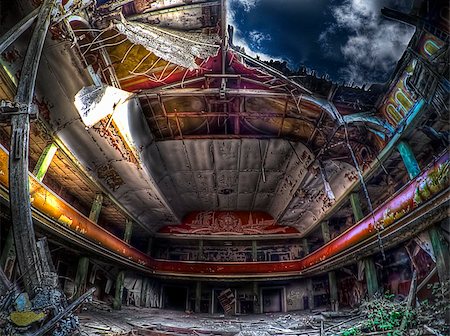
(348, 39)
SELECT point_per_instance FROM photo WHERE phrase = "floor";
(138, 321)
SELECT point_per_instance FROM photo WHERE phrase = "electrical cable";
(366, 193)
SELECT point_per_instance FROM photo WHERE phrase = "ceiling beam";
(195, 92)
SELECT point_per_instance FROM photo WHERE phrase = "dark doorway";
(174, 298)
(272, 300)
(218, 309)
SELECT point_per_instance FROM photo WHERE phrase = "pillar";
(254, 250)
(120, 280)
(256, 304)
(409, 159)
(83, 263)
(144, 289)
(81, 276)
(334, 298)
(128, 230)
(200, 250)
(44, 161)
(356, 206)
(309, 282)
(96, 208)
(440, 252)
(370, 270)
(198, 297)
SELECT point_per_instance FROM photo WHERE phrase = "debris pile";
(47, 313)
(385, 315)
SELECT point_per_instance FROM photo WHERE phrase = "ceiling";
(232, 134)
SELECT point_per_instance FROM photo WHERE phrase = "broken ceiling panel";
(180, 48)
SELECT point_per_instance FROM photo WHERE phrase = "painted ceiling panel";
(245, 201)
(252, 153)
(206, 182)
(226, 154)
(248, 181)
(227, 180)
(197, 157)
(310, 201)
(261, 200)
(174, 156)
(278, 156)
(270, 184)
(185, 182)
(227, 202)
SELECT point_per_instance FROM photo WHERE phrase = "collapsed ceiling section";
(202, 126)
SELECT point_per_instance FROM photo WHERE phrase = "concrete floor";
(138, 321)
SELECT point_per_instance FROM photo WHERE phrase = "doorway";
(272, 300)
(175, 297)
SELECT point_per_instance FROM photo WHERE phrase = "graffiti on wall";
(228, 223)
(429, 45)
(400, 99)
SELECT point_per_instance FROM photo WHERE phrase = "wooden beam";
(23, 229)
(11, 35)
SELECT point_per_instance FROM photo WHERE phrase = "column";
(334, 298)
(254, 250)
(200, 250)
(144, 288)
(44, 161)
(409, 159)
(96, 208)
(370, 270)
(120, 280)
(256, 304)
(309, 282)
(83, 262)
(356, 207)
(440, 250)
(81, 276)
(198, 297)
(128, 230)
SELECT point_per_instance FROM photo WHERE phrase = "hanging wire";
(95, 39)
(366, 193)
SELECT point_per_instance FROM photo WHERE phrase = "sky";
(347, 39)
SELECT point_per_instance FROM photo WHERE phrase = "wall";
(295, 293)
